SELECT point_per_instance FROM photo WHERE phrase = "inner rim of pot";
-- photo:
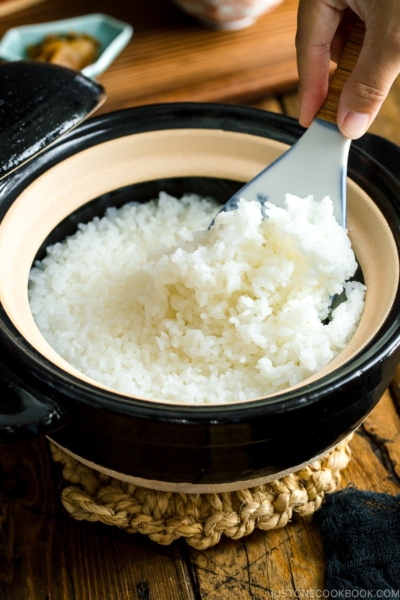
(155, 155)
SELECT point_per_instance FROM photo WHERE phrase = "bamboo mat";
(172, 57)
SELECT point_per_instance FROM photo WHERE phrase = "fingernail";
(354, 125)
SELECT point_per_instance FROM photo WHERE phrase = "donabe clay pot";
(211, 150)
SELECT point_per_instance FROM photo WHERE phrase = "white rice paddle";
(317, 163)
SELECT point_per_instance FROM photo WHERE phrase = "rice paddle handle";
(346, 64)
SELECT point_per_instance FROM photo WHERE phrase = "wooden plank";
(263, 565)
(271, 103)
(172, 57)
(46, 554)
(383, 429)
(395, 388)
(8, 7)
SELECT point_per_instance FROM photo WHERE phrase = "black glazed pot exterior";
(201, 445)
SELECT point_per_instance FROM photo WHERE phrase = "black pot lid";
(39, 102)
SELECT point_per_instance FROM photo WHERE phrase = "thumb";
(368, 85)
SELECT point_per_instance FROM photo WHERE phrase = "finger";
(317, 23)
(368, 85)
(342, 33)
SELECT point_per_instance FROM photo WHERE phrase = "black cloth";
(361, 538)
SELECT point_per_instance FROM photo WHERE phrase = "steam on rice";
(215, 316)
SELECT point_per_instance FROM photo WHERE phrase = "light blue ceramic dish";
(112, 34)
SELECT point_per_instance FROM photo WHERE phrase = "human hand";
(323, 27)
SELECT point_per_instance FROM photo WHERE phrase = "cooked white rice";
(209, 317)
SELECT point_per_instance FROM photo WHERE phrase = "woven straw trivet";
(200, 518)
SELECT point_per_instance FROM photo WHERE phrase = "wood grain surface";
(8, 7)
(44, 553)
(172, 57)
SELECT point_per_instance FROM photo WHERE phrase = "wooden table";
(44, 553)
